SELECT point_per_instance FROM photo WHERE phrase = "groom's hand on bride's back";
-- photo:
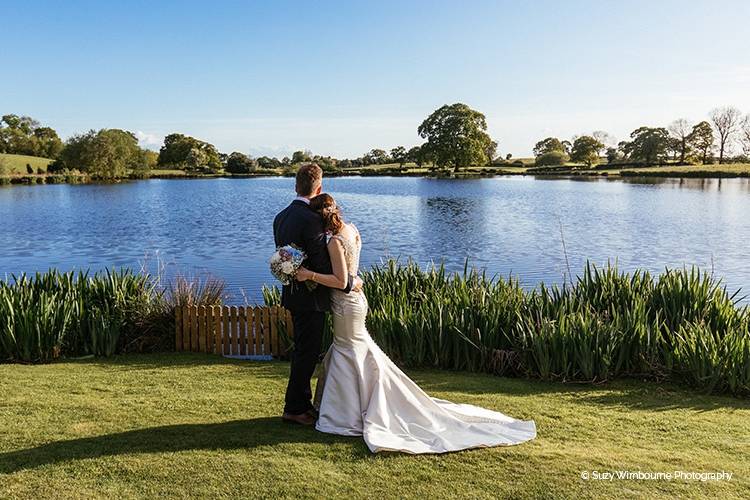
(358, 284)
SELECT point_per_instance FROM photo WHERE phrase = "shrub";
(552, 158)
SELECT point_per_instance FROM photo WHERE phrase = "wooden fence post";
(243, 331)
(178, 329)
(216, 328)
(201, 328)
(274, 331)
(225, 338)
(256, 332)
(186, 328)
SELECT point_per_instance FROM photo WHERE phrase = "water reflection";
(507, 225)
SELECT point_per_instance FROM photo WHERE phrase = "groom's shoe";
(302, 419)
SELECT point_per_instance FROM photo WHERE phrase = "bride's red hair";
(326, 206)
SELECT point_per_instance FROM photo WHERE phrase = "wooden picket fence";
(233, 331)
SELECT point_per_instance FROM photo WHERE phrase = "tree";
(702, 139)
(48, 143)
(106, 154)
(376, 157)
(150, 159)
(613, 154)
(649, 145)
(605, 138)
(745, 135)
(456, 135)
(680, 130)
(24, 135)
(586, 150)
(726, 121)
(548, 145)
(301, 157)
(491, 151)
(185, 152)
(399, 155)
(415, 155)
(239, 163)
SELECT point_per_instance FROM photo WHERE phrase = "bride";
(363, 393)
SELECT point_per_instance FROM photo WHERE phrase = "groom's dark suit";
(299, 225)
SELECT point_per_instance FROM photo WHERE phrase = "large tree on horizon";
(702, 139)
(456, 136)
(23, 135)
(104, 154)
(185, 152)
(680, 130)
(586, 150)
(726, 120)
(649, 145)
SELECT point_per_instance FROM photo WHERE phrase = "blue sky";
(341, 78)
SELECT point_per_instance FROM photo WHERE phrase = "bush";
(551, 158)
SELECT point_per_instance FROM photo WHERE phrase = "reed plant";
(682, 325)
(48, 314)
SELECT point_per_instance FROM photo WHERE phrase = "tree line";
(681, 142)
(454, 136)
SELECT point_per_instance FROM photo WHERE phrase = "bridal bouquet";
(284, 263)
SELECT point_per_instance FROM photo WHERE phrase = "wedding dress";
(363, 393)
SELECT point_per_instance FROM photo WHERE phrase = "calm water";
(509, 225)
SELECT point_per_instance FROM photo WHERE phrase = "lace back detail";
(352, 247)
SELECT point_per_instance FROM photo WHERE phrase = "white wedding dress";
(363, 393)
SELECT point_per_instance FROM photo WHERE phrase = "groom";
(299, 225)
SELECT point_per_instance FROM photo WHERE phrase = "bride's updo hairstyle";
(325, 205)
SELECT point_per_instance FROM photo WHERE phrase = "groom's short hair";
(308, 175)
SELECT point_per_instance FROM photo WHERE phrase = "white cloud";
(148, 140)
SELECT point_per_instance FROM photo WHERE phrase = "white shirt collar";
(302, 199)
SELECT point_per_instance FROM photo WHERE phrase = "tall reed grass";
(681, 325)
(76, 314)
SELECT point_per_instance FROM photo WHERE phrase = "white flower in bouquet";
(285, 262)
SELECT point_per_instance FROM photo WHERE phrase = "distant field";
(168, 173)
(16, 164)
(726, 170)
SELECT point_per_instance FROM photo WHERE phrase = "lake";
(506, 225)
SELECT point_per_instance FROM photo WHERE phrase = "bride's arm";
(340, 277)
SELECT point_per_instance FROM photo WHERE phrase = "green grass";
(725, 170)
(200, 426)
(16, 164)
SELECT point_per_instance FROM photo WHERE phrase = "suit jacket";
(301, 226)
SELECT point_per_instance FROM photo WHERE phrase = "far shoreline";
(724, 171)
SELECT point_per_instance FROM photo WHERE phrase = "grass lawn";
(725, 170)
(168, 172)
(201, 426)
(16, 164)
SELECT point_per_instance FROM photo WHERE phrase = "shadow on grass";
(629, 393)
(233, 435)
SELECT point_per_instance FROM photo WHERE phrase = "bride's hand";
(358, 284)
(303, 274)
